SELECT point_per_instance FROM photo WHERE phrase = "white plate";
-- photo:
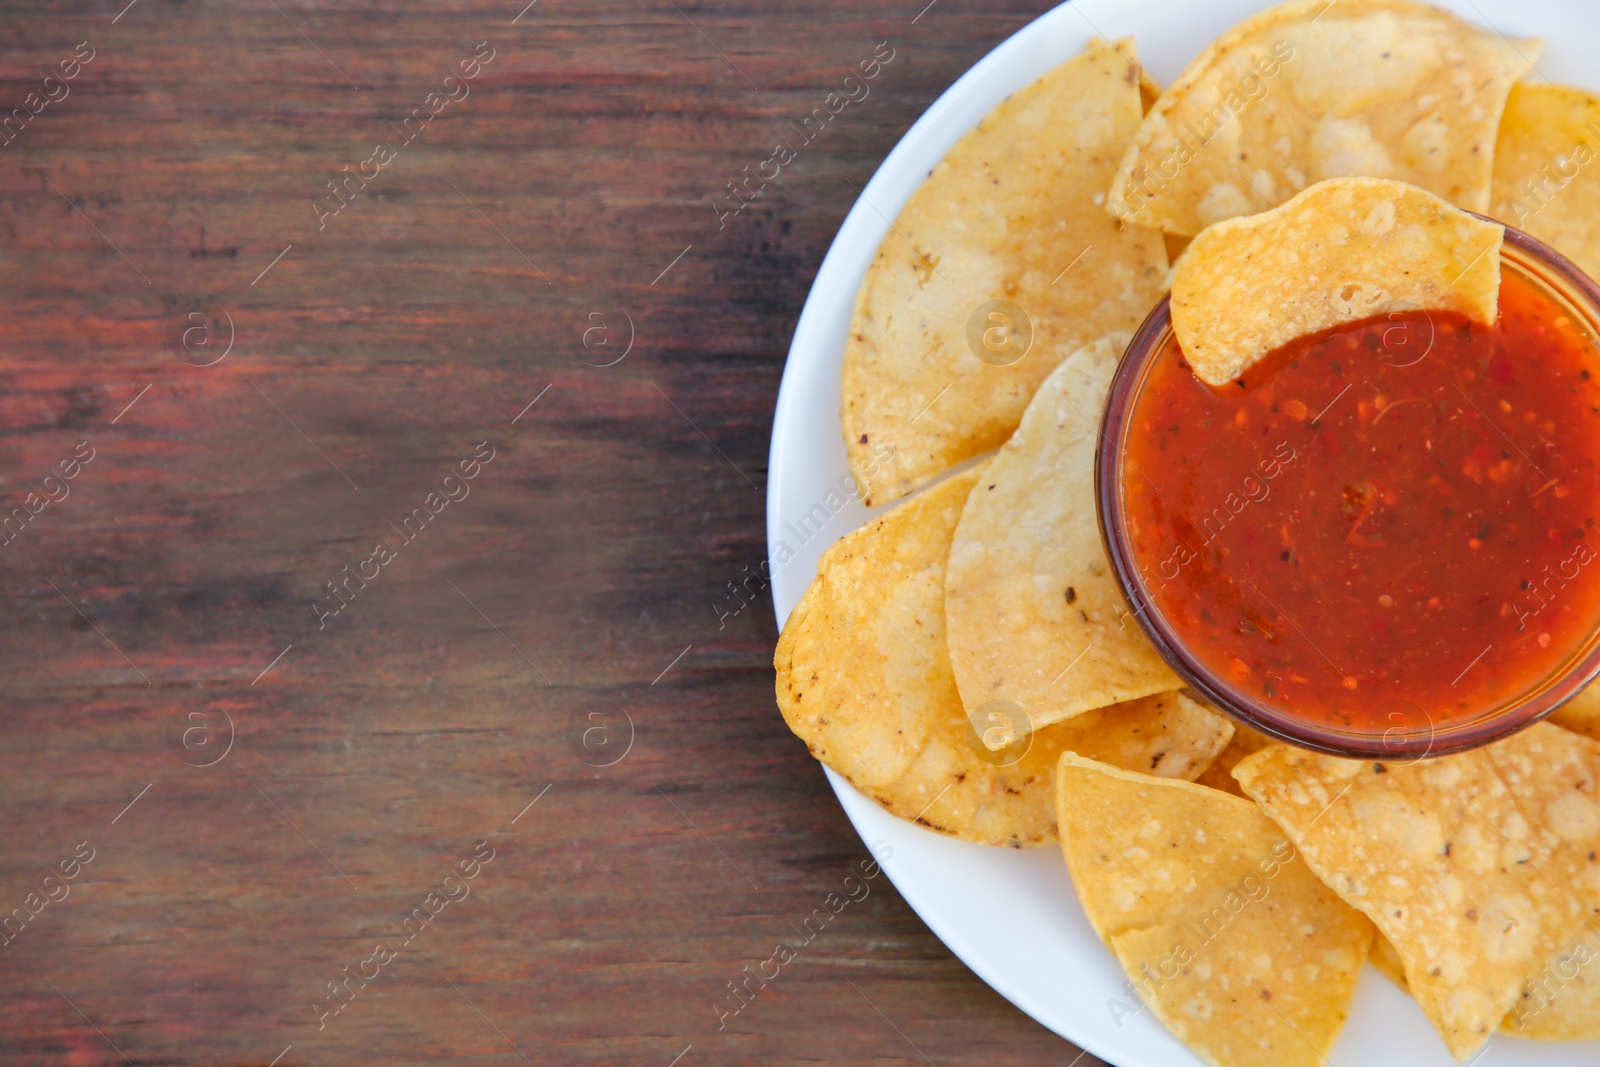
(1012, 916)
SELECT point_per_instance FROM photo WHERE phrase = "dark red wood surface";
(256, 832)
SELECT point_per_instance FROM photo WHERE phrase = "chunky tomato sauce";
(1399, 513)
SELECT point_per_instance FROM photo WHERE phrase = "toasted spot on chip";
(1545, 176)
(864, 678)
(1342, 251)
(1034, 612)
(1224, 931)
(1477, 867)
(1001, 264)
(1311, 90)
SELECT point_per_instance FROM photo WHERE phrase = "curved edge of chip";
(922, 389)
(1341, 251)
(1178, 932)
(1031, 522)
(1549, 135)
(1120, 195)
(1117, 198)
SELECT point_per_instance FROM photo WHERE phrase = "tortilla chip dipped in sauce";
(1381, 533)
(1342, 251)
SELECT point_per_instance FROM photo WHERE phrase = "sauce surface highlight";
(1396, 514)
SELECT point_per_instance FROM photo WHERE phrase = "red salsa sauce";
(1398, 513)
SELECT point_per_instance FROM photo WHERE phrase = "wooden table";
(277, 344)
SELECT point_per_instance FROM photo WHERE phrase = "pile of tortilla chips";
(968, 660)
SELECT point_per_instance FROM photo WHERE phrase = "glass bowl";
(1410, 732)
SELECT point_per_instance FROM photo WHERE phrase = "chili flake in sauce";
(1402, 509)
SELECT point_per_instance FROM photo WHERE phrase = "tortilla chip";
(1562, 1004)
(864, 679)
(1310, 90)
(1149, 88)
(1165, 736)
(1478, 867)
(1387, 960)
(1581, 714)
(1001, 264)
(1035, 613)
(1226, 934)
(1342, 251)
(1545, 180)
(1246, 741)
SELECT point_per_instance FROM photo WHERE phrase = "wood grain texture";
(140, 220)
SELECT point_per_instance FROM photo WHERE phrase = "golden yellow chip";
(1226, 934)
(1562, 1001)
(1002, 263)
(864, 679)
(1480, 868)
(1245, 742)
(1545, 180)
(1387, 960)
(1314, 89)
(1166, 736)
(1149, 89)
(1581, 714)
(1035, 614)
(1342, 251)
